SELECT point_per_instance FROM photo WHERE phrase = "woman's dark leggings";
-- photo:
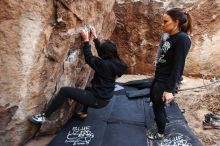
(84, 97)
(157, 90)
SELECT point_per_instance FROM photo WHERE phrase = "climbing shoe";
(38, 119)
(212, 116)
(155, 136)
(81, 115)
(211, 125)
(212, 121)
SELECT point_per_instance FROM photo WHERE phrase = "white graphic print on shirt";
(165, 47)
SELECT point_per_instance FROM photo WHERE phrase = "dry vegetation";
(211, 100)
(197, 103)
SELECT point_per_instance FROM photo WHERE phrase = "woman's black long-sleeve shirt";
(106, 70)
(172, 60)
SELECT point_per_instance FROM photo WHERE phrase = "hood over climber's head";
(108, 50)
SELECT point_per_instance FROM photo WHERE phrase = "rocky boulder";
(39, 53)
(138, 32)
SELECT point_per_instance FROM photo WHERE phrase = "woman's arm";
(97, 44)
(181, 50)
(96, 40)
(90, 59)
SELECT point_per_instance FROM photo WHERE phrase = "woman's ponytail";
(187, 26)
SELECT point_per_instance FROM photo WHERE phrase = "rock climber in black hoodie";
(107, 67)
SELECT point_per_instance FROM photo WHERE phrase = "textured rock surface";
(137, 34)
(205, 53)
(138, 31)
(39, 53)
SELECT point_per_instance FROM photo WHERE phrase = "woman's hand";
(93, 31)
(167, 97)
(84, 35)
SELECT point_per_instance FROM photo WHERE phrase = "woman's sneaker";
(155, 136)
(211, 124)
(212, 116)
(38, 119)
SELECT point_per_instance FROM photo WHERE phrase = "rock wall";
(137, 34)
(138, 31)
(203, 59)
(39, 53)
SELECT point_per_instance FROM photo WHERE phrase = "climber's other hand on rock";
(93, 32)
(84, 35)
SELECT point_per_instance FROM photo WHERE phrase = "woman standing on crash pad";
(170, 65)
(107, 67)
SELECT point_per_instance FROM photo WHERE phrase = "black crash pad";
(139, 84)
(133, 94)
(122, 122)
(125, 122)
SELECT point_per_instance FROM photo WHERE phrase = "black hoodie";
(106, 70)
(171, 61)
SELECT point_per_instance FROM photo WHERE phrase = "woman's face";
(169, 25)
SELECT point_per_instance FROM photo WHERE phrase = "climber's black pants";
(84, 97)
(157, 90)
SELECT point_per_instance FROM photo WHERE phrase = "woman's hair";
(185, 21)
(108, 50)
